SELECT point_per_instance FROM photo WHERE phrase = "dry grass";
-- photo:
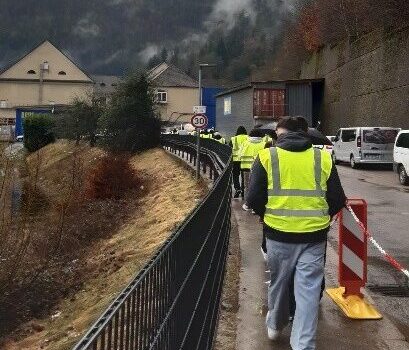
(112, 262)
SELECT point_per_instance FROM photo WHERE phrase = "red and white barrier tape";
(391, 260)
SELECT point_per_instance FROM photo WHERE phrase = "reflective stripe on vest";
(278, 191)
(237, 142)
(301, 207)
(249, 153)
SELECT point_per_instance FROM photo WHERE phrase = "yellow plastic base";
(353, 306)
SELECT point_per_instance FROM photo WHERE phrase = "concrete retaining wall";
(366, 81)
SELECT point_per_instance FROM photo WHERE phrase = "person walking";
(236, 142)
(247, 155)
(297, 191)
(219, 138)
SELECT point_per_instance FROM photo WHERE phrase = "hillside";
(113, 36)
(98, 254)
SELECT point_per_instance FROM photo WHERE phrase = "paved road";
(388, 219)
(335, 331)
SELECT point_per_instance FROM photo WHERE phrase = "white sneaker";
(273, 334)
(264, 254)
(246, 207)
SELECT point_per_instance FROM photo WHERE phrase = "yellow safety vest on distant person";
(206, 136)
(237, 142)
(222, 140)
(267, 138)
(297, 185)
(249, 151)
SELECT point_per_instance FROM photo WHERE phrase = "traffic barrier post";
(352, 249)
(353, 259)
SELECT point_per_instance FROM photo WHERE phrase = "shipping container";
(269, 103)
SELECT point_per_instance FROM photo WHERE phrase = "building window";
(227, 105)
(62, 73)
(162, 97)
(31, 71)
(3, 104)
(7, 121)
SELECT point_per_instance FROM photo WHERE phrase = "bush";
(38, 131)
(130, 123)
(112, 177)
(80, 120)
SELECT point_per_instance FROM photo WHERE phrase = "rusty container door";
(269, 103)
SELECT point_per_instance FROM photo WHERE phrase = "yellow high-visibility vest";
(222, 140)
(206, 136)
(237, 142)
(297, 185)
(249, 151)
(267, 138)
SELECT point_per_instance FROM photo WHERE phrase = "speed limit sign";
(199, 121)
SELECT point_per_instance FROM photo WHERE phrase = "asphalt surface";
(335, 331)
(388, 222)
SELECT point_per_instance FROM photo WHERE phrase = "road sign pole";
(198, 130)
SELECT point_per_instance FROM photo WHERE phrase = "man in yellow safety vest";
(236, 142)
(295, 188)
(247, 155)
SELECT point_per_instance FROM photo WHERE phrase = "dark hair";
(293, 123)
(256, 133)
(241, 130)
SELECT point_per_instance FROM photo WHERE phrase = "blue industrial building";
(209, 100)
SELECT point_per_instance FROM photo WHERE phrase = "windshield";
(380, 136)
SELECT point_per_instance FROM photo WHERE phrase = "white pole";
(197, 129)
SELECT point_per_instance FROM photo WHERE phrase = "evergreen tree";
(130, 122)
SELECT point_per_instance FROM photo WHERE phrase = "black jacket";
(257, 194)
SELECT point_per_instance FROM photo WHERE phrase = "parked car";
(365, 145)
(401, 157)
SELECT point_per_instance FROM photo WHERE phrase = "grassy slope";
(112, 262)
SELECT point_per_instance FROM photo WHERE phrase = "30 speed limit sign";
(199, 121)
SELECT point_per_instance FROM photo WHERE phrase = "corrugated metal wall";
(299, 100)
(241, 112)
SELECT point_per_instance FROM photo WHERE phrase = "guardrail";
(173, 303)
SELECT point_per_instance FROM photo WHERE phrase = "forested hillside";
(248, 39)
(105, 36)
(113, 36)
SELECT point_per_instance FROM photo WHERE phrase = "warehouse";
(264, 101)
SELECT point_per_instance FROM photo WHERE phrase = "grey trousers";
(305, 263)
(246, 179)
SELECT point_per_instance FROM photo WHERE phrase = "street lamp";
(201, 65)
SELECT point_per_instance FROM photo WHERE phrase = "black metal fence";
(173, 303)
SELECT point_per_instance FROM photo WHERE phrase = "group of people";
(295, 190)
(211, 134)
(206, 134)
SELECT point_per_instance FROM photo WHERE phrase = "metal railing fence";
(173, 303)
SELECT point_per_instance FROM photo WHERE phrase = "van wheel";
(403, 177)
(352, 162)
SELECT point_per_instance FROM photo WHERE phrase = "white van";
(401, 157)
(364, 145)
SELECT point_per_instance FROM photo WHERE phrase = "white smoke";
(86, 27)
(148, 52)
(225, 12)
